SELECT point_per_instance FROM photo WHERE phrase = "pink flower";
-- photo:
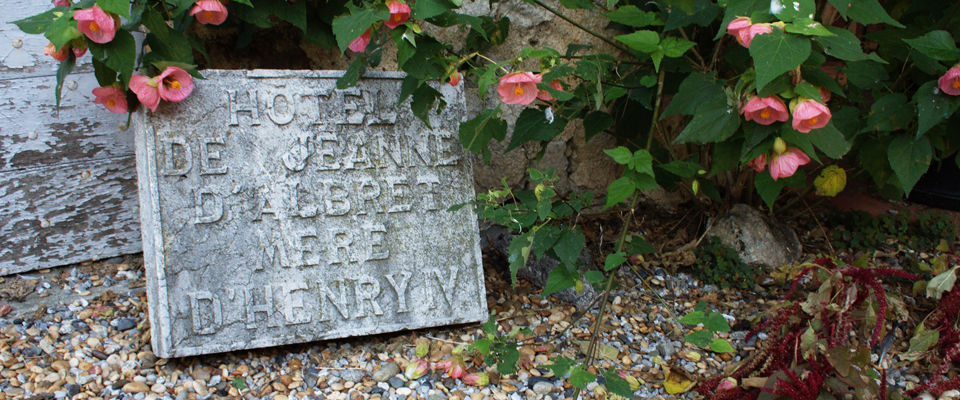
(478, 379)
(808, 114)
(417, 368)
(112, 97)
(766, 110)
(759, 164)
(359, 44)
(454, 367)
(399, 13)
(174, 84)
(545, 95)
(727, 384)
(738, 25)
(51, 51)
(79, 51)
(786, 164)
(146, 90)
(950, 82)
(209, 12)
(746, 35)
(519, 88)
(825, 95)
(100, 26)
(62, 3)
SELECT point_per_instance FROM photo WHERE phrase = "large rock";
(757, 238)
(277, 209)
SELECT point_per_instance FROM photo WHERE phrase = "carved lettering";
(208, 214)
(206, 156)
(340, 239)
(400, 287)
(295, 159)
(447, 283)
(252, 307)
(400, 191)
(293, 310)
(327, 150)
(307, 206)
(205, 323)
(281, 109)
(309, 243)
(173, 165)
(446, 144)
(251, 106)
(273, 255)
(357, 154)
(367, 289)
(428, 185)
(339, 299)
(336, 197)
(368, 192)
(375, 235)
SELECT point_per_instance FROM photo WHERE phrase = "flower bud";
(422, 349)
(417, 368)
(634, 382)
(636, 259)
(478, 379)
(727, 384)
(779, 146)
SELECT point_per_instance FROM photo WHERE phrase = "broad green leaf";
(693, 318)
(889, 113)
(933, 106)
(719, 345)
(619, 190)
(639, 245)
(642, 40)
(830, 141)
(695, 90)
(62, 30)
(614, 260)
(621, 155)
(866, 12)
(715, 322)
(423, 100)
(642, 162)
(482, 346)
(942, 283)
(560, 278)
(675, 47)
(423, 9)
(714, 121)
(37, 24)
(560, 365)
(569, 246)
(768, 188)
(938, 45)
(578, 4)
(617, 385)
(155, 23)
(519, 253)
(701, 339)
(545, 238)
(508, 360)
(924, 339)
(530, 52)
(532, 124)
(909, 159)
(845, 46)
(580, 377)
(119, 7)
(790, 10)
(354, 71)
(632, 16)
(105, 76)
(807, 90)
(238, 383)
(807, 27)
(120, 54)
(476, 133)
(350, 26)
(866, 74)
(685, 169)
(687, 6)
(777, 52)
(595, 122)
(557, 94)
(66, 66)
(817, 77)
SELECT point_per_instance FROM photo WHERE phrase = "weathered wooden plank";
(68, 213)
(33, 134)
(21, 54)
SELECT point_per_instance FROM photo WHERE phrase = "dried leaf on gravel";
(676, 382)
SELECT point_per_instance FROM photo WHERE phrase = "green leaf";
(105, 76)
(776, 53)
(508, 360)
(619, 190)
(866, 12)
(617, 385)
(791, 10)
(632, 16)
(36, 24)
(721, 346)
(519, 250)
(621, 155)
(66, 66)
(532, 125)
(422, 104)
(545, 238)
(830, 141)
(569, 246)
(560, 365)
(817, 77)
(701, 339)
(593, 276)
(909, 159)
(476, 133)
(176, 48)
(642, 162)
(695, 90)
(482, 346)
(924, 340)
(939, 45)
(62, 30)
(845, 46)
(714, 121)
(490, 327)
(682, 168)
(639, 245)
(768, 188)
(595, 122)
(715, 322)
(687, 6)
(557, 94)
(941, 283)
(692, 318)
(642, 40)
(350, 26)
(560, 278)
(933, 106)
(614, 260)
(890, 113)
(866, 74)
(807, 90)
(578, 4)
(155, 23)
(119, 7)
(120, 54)
(807, 27)
(580, 377)
(423, 9)
(238, 383)
(675, 47)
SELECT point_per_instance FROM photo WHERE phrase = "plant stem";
(583, 28)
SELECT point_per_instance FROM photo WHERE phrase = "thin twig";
(445, 340)
(585, 29)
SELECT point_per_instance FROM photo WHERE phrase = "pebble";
(386, 372)
(136, 387)
(404, 391)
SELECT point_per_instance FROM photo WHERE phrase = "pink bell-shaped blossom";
(741, 24)
(454, 367)
(111, 97)
(174, 84)
(747, 35)
(808, 114)
(417, 368)
(209, 12)
(519, 88)
(545, 95)
(359, 44)
(766, 110)
(399, 13)
(99, 26)
(478, 379)
(51, 51)
(950, 82)
(784, 165)
(146, 91)
(759, 164)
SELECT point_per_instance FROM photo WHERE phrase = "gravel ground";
(82, 332)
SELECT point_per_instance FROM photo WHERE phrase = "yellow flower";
(831, 181)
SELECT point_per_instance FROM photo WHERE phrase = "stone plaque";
(278, 209)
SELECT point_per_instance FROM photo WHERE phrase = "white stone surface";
(277, 209)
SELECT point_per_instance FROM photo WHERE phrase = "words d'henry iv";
(279, 209)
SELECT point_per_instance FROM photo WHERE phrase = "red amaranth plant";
(805, 386)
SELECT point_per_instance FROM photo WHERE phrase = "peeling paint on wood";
(21, 54)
